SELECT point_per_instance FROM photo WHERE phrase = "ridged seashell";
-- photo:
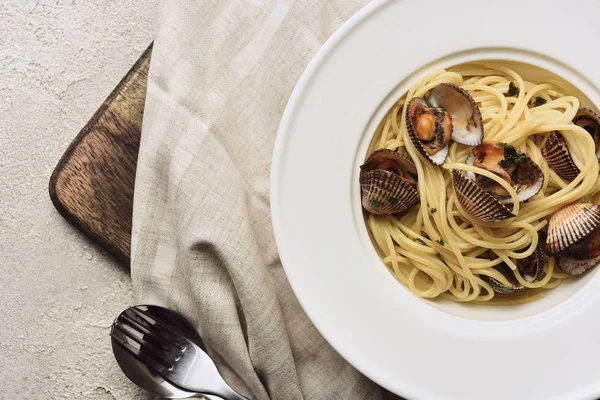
(574, 266)
(388, 183)
(467, 124)
(483, 197)
(478, 202)
(589, 120)
(435, 150)
(532, 267)
(500, 287)
(570, 225)
(558, 157)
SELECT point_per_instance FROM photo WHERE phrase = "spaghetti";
(437, 249)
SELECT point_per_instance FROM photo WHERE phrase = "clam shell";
(438, 158)
(573, 266)
(570, 225)
(558, 157)
(501, 288)
(590, 121)
(476, 201)
(387, 156)
(531, 275)
(466, 116)
(530, 180)
(530, 177)
(385, 191)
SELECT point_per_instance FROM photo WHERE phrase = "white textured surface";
(59, 59)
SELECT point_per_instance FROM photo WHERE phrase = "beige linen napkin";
(220, 77)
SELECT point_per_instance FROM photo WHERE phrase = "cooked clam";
(483, 197)
(467, 124)
(531, 267)
(430, 130)
(388, 183)
(557, 153)
(558, 157)
(447, 113)
(589, 120)
(574, 237)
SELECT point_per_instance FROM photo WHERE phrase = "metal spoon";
(138, 371)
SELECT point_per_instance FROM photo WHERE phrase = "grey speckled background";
(59, 59)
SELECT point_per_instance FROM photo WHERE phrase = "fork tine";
(146, 334)
(130, 343)
(155, 323)
(149, 342)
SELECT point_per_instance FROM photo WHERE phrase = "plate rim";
(405, 389)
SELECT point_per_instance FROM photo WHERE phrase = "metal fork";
(170, 354)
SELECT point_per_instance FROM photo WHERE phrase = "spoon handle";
(228, 393)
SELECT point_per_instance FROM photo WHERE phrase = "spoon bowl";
(143, 376)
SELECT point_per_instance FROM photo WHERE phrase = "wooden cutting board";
(92, 185)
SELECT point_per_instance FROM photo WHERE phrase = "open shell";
(569, 232)
(456, 117)
(589, 120)
(528, 179)
(467, 124)
(476, 201)
(439, 143)
(532, 267)
(530, 182)
(558, 157)
(481, 198)
(388, 183)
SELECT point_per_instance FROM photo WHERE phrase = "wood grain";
(92, 185)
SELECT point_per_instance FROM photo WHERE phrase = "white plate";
(419, 349)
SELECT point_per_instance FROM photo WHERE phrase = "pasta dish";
(480, 186)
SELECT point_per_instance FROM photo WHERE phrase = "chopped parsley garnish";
(433, 210)
(375, 203)
(393, 200)
(421, 241)
(441, 242)
(513, 90)
(539, 101)
(512, 156)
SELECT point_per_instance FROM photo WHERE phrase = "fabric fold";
(220, 77)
